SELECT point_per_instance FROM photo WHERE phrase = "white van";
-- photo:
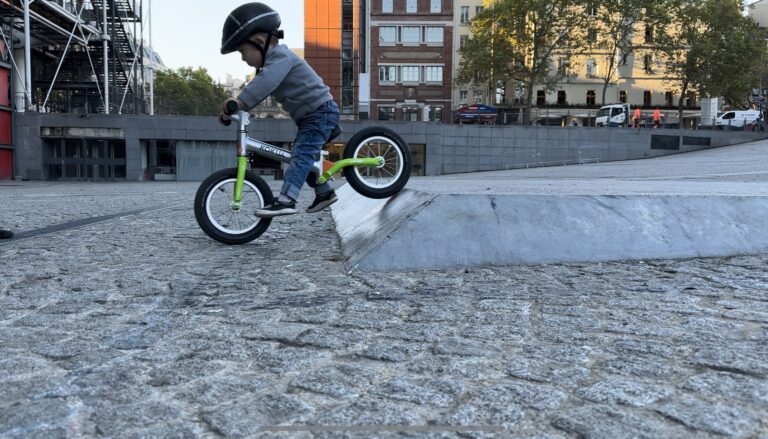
(612, 115)
(736, 119)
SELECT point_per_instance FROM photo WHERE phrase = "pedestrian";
(6, 234)
(253, 30)
(636, 118)
(657, 118)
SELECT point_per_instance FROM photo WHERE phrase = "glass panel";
(434, 34)
(386, 6)
(411, 34)
(388, 34)
(410, 74)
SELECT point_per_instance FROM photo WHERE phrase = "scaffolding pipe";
(105, 38)
(27, 56)
(151, 63)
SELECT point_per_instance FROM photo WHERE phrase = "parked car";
(477, 113)
(736, 119)
(612, 115)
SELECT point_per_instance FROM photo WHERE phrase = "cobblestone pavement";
(120, 318)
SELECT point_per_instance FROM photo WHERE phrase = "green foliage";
(717, 51)
(515, 40)
(187, 91)
(617, 22)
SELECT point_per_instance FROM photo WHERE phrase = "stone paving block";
(432, 392)
(601, 422)
(724, 419)
(729, 385)
(747, 358)
(247, 416)
(622, 391)
(341, 381)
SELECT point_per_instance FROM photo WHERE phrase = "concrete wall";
(203, 145)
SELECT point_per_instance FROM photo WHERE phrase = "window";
(465, 15)
(563, 66)
(434, 35)
(561, 98)
(387, 74)
(669, 98)
(623, 96)
(648, 63)
(592, 35)
(592, 9)
(410, 6)
(434, 74)
(436, 114)
(541, 98)
(410, 74)
(624, 59)
(479, 10)
(592, 70)
(478, 98)
(386, 113)
(411, 35)
(463, 95)
(647, 100)
(591, 98)
(387, 35)
(411, 114)
(436, 6)
(690, 99)
(463, 39)
(386, 6)
(649, 34)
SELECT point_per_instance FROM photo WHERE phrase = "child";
(252, 30)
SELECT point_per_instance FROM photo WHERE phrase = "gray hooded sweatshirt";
(290, 80)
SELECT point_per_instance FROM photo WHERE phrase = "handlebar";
(232, 107)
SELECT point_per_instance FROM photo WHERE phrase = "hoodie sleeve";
(276, 68)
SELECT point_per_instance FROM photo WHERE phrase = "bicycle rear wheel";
(391, 176)
(223, 222)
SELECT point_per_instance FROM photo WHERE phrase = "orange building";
(334, 45)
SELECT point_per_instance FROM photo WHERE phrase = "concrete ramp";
(417, 230)
(486, 219)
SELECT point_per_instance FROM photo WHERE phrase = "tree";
(514, 40)
(188, 91)
(617, 21)
(717, 51)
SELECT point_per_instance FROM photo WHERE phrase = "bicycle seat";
(335, 133)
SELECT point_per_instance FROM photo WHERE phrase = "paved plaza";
(120, 318)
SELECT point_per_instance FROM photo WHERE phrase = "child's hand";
(231, 106)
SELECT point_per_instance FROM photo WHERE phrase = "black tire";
(214, 197)
(385, 181)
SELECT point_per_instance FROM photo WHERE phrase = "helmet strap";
(263, 50)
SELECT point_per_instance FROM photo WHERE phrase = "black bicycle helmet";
(247, 20)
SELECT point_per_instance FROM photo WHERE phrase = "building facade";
(411, 59)
(638, 80)
(467, 94)
(334, 45)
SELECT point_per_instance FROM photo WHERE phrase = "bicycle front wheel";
(225, 222)
(391, 176)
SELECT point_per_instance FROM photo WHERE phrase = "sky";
(188, 33)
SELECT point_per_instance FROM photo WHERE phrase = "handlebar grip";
(226, 122)
(232, 107)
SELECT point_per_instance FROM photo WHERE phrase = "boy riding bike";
(253, 30)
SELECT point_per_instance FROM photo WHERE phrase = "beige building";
(638, 80)
(466, 94)
(759, 12)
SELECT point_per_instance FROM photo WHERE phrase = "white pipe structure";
(105, 38)
(27, 56)
(151, 63)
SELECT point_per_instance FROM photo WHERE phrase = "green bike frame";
(246, 145)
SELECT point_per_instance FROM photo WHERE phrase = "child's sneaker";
(321, 202)
(277, 208)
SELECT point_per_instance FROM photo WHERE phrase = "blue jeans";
(314, 130)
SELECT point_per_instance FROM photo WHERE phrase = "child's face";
(250, 54)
